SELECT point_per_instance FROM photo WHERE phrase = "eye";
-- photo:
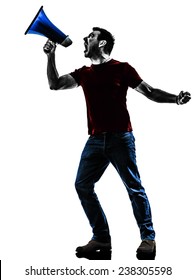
(91, 35)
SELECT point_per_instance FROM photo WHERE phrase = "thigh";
(93, 162)
(123, 157)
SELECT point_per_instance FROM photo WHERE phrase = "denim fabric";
(99, 151)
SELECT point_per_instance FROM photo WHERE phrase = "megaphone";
(41, 25)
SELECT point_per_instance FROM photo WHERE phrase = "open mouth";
(86, 47)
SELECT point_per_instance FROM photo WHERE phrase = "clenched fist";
(183, 98)
(49, 47)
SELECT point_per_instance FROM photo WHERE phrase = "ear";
(102, 43)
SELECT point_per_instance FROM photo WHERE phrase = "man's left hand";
(183, 98)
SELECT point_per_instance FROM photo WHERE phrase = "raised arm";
(56, 82)
(161, 96)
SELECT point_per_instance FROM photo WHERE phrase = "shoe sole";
(101, 254)
(146, 256)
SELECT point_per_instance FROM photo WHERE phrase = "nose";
(85, 39)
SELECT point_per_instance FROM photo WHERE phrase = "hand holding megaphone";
(49, 47)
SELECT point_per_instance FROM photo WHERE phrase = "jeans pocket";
(125, 135)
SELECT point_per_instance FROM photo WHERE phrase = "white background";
(42, 134)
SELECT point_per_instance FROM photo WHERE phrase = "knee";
(135, 189)
(84, 189)
(81, 186)
(78, 186)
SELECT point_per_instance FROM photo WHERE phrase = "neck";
(101, 59)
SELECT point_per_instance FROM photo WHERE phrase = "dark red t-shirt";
(105, 88)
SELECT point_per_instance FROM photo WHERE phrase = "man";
(105, 84)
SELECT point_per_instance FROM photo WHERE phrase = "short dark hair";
(106, 35)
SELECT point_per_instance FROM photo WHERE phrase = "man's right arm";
(56, 82)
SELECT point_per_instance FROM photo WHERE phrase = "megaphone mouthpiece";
(41, 25)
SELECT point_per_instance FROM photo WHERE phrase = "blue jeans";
(99, 151)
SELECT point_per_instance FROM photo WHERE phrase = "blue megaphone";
(41, 25)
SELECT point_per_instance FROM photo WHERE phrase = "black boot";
(146, 250)
(95, 250)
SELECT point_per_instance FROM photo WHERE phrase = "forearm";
(52, 73)
(161, 96)
(156, 94)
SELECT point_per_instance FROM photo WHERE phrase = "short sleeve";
(76, 74)
(132, 78)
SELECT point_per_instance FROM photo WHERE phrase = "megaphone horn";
(41, 25)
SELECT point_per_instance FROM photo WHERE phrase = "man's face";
(91, 44)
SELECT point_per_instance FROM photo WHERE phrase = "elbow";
(53, 86)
